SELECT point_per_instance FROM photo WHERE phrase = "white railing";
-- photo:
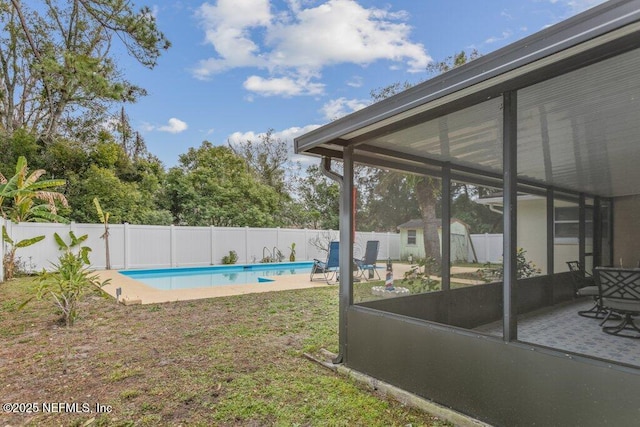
(152, 246)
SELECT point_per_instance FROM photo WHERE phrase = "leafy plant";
(232, 258)
(9, 260)
(104, 219)
(71, 278)
(292, 257)
(28, 200)
(524, 268)
(418, 280)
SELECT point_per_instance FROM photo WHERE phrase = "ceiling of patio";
(579, 131)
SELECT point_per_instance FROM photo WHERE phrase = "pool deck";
(134, 292)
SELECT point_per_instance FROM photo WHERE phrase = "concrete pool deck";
(135, 292)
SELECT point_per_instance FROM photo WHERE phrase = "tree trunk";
(426, 194)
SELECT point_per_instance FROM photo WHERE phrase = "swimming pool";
(220, 275)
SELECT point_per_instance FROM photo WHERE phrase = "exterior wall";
(532, 231)
(417, 250)
(626, 229)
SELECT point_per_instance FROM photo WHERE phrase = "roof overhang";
(405, 131)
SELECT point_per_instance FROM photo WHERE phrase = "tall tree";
(212, 186)
(56, 64)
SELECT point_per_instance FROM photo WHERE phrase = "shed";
(412, 240)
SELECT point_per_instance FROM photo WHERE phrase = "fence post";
(486, 247)
(212, 245)
(172, 246)
(246, 245)
(1, 254)
(126, 245)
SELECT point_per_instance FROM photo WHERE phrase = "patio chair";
(368, 263)
(329, 268)
(620, 294)
(584, 286)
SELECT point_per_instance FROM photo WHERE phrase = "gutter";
(326, 171)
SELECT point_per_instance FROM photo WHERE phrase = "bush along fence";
(150, 246)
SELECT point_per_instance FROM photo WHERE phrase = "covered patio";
(553, 122)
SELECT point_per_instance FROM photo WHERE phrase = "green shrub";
(232, 258)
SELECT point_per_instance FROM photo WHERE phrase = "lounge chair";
(368, 263)
(584, 286)
(329, 268)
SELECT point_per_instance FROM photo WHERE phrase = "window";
(411, 237)
(566, 224)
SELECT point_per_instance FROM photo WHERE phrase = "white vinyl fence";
(152, 246)
(488, 247)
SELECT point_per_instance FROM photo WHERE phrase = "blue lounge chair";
(329, 268)
(368, 263)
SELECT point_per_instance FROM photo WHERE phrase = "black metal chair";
(584, 286)
(619, 294)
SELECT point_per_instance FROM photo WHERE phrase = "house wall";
(532, 231)
(626, 229)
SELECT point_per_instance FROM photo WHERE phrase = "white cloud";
(340, 107)
(293, 46)
(286, 134)
(284, 86)
(356, 81)
(504, 36)
(173, 126)
(577, 6)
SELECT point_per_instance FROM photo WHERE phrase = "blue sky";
(237, 68)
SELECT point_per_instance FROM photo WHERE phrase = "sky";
(238, 68)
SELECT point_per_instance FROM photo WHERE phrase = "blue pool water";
(202, 277)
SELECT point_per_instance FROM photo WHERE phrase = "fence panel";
(230, 239)
(192, 246)
(148, 246)
(488, 247)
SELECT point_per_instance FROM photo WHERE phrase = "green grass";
(224, 361)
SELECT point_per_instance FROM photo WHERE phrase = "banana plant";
(9, 262)
(104, 219)
(26, 198)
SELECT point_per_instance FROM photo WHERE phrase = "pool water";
(203, 277)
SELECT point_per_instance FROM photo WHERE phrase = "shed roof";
(578, 97)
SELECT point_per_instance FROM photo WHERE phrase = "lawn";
(224, 361)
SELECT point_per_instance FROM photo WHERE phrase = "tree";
(269, 160)
(212, 186)
(321, 198)
(56, 66)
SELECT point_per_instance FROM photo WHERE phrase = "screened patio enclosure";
(554, 117)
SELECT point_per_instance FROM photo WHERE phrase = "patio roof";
(578, 100)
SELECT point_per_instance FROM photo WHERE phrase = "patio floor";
(560, 327)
